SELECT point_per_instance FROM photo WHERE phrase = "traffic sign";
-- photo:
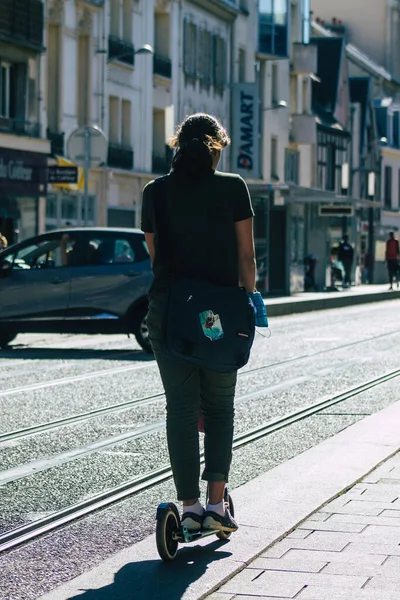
(63, 174)
(88, 147)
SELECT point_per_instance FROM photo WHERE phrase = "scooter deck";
(186, 537)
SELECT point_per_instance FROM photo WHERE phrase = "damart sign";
(245, 131)
(22, 173)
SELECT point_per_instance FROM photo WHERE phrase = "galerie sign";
(22, 173)
(245, 134)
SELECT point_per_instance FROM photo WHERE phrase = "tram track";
(31, 531)
(137, 402)
(37, 466)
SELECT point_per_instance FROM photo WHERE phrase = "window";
(242, 65)
(190, 49)
(274, 158)
(398, 189)
(273, 27)
(96, 250)
(332, 154)
(51, 207)
(5, 90)
(115, 18)
(208, 58)
(220, 63)
(69, 208)
(126, 123)
(114, 128)
(274, 84)
(396, 129)
(46, 254)
(388, 187)
(205, 57)
(330, 167)
(306, 95)
(127, 10)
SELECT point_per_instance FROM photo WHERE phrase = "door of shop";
(277, 251)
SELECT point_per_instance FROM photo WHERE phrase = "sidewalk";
(307, 301)
(348, 550)
(293, 540)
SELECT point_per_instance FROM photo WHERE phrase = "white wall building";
(72, 76)
(94, 78)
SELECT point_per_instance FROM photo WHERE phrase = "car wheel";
(141, 331)
(6, 338)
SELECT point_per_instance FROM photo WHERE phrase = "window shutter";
(186, 47)
(19, 80)
(216, 60)
(201, 54)
(194, 50)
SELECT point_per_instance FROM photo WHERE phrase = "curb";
(280, 309)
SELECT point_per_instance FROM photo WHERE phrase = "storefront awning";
(298, 193)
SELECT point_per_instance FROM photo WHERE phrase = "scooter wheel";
(222, 535)
(166, 526)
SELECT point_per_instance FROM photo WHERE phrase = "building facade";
(23, 147)
(373, 57)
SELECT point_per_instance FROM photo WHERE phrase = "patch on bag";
(211, 325)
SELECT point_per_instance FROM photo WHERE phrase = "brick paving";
(348, 550)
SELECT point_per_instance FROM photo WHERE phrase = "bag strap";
(163, 241)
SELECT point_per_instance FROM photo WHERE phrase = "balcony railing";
(21, 23)
(162, 162)
(292, 166)
(120, 157)
(19, 127)
(121, 50)
(162, 66)
(56, 141)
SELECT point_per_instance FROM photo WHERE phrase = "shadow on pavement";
(23, 352)
(154, 580)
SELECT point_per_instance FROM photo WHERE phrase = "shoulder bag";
(209, 325)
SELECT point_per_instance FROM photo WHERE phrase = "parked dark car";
(76, 281)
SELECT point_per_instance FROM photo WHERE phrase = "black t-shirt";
(201, 220)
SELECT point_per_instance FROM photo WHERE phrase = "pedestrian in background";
(346, 255)
(392, 259)
(3, 242)
(210, 219)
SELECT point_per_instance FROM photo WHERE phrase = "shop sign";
(63, 174)
(336, 210)
(245, 134)
(22, 173)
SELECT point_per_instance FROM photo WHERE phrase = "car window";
(79, 250)
(42, 254)
(113, 250)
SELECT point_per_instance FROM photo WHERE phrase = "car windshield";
(35, 255)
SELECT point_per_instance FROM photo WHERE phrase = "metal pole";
(86, 174)
(371, 245)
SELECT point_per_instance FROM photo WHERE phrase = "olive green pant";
(188, 390)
